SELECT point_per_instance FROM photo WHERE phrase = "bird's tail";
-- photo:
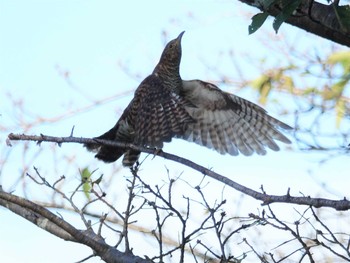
(105, 153)
(109, 154)
(130, 158)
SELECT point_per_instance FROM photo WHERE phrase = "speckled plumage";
(165, 106)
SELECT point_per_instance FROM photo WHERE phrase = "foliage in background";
(188, 222)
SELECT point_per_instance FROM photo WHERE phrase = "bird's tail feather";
(107, 154)
(130, 158)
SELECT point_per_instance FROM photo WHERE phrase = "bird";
(165, 106)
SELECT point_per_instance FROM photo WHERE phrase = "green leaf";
(340, 108)
(335, 91)
(98, 180)
(309, 90)
(287, 82)
(259, 82)
(263, 85)
(338, 87)
(257, 21)
(288, 8)
(86, 179)
(342, 58)
(267, 3)
(264, 92)
(343, 13)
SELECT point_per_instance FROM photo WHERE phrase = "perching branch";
(266, 199)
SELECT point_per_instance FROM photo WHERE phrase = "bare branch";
(45, 219)
(267, 199)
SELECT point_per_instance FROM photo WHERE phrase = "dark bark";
(319, 19)
(45, 219)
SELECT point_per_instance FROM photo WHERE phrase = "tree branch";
(16, 206)
(314, 17)
(266, 199)
(45, 219)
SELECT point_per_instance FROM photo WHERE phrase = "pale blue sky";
(91, 39)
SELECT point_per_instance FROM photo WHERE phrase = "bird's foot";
(135, 167)
(157, 151)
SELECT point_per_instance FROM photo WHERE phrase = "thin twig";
(266, 199)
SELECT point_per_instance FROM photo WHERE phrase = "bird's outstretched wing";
(228, 123)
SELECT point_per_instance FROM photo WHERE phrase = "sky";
(106, 48)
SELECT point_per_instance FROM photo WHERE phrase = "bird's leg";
(135, 167)
(157, 151)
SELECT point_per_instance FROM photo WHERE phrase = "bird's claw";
(156, 152)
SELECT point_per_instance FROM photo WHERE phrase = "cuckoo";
(164, 107)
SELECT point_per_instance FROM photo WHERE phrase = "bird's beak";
(180, 36)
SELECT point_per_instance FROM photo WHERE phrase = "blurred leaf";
(86, 179)
(327, 93)
(309, 90)
(287, 83)
(342, 58)
(338, 87)
(288, 8)
(257, 21)
(259, 82)
(263, 85)
(264, 92)
(340, 111)
(335, 91)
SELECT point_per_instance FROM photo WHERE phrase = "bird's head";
(171, 55)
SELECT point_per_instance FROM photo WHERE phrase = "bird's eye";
(171, 46)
